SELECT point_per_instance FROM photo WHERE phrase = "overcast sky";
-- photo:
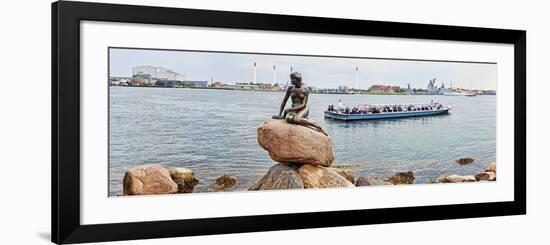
(321, 72)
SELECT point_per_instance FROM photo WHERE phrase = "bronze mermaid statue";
(298, 113)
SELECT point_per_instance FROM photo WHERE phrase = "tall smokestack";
(273, 75)
(254, 72)
(356, 77)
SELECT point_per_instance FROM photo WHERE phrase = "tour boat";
(382, 111)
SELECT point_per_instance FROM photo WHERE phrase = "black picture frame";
(66, 18)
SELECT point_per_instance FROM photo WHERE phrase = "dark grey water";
(213, 132)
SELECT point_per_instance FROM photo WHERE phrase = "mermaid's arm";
(285, 100)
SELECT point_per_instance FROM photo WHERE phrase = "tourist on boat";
(341, 105)
(392, 108)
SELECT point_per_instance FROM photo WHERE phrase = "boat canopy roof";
(398, 104)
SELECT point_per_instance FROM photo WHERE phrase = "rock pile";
(304, 157)
(490, 174)
(154, 179)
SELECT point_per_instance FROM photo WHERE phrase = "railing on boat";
(390, 108)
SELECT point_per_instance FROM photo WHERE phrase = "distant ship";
(442, 90)
(458, 94)
(382, 111)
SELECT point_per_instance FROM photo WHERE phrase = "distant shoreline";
(275, 91)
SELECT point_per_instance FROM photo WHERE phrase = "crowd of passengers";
(386, 108)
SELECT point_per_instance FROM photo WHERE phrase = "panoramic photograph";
(184, 121)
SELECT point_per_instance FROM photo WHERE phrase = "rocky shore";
(303, 160)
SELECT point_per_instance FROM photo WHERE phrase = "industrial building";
(157, 73)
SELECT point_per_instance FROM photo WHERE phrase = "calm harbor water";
(213, 132)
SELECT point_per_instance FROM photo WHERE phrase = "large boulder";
(184, 178)
(320, 177)
(370, 180)
(344, 172)
(279, 176)
(401, 178)
(296, 144)
(148, 179)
